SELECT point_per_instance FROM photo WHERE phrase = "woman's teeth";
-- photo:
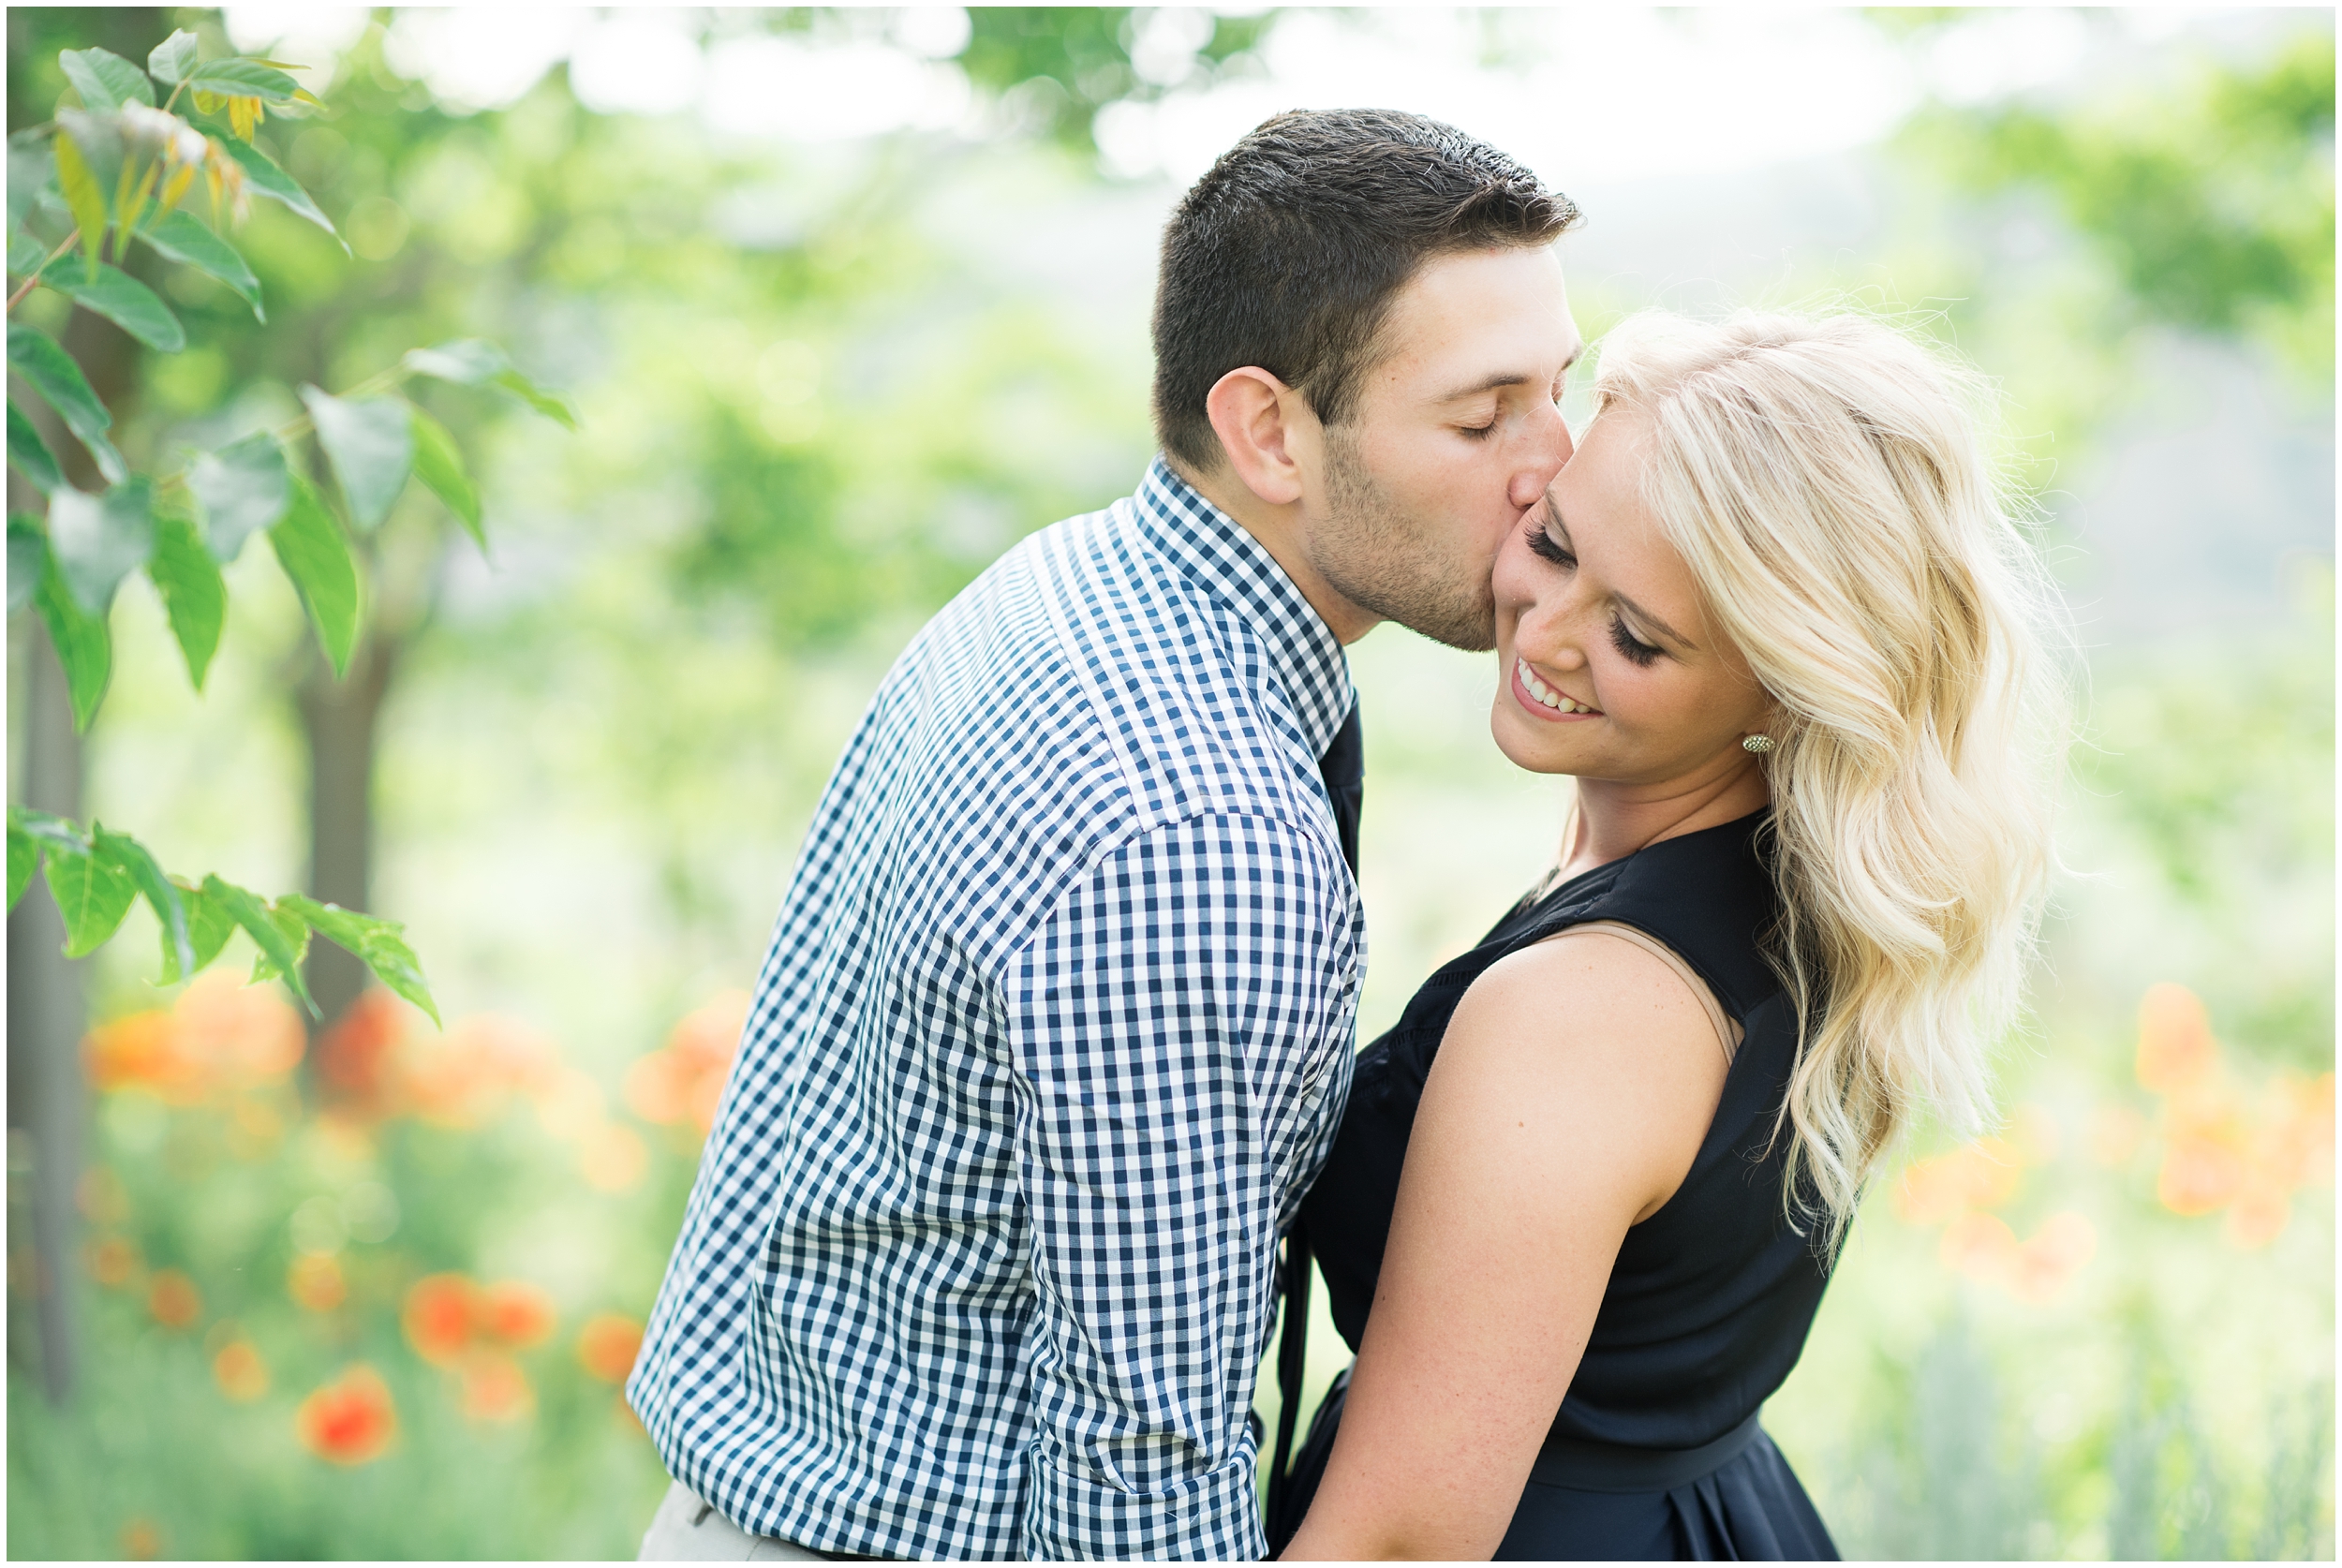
(1545, 693)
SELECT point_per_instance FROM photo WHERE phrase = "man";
(1057, 1020)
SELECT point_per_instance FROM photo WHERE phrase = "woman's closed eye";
(1634, 648)
(1543, 543)
(1631, 647)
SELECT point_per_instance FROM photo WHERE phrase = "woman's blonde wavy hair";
(1825, 479)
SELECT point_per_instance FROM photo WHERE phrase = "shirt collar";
(1219, 555)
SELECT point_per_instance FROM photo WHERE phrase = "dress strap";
(1728, 1029)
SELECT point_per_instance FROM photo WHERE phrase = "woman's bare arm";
(1571, 1092)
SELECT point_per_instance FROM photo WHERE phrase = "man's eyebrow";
(1487, 383)
(1553, 511)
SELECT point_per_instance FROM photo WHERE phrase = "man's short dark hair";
(1288, 253)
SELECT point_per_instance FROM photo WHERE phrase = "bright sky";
(1586, 94)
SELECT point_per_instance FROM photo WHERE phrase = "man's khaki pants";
(685, 1530)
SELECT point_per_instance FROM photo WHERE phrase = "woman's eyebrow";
(1656, 624)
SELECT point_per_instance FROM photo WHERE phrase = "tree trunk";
(45, 1021)
(340, 719)
(47, 1099)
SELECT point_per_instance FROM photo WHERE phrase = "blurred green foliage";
(2211, 201)
(1083, 54)
(821, 387)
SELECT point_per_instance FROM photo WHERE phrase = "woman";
(1774, 622)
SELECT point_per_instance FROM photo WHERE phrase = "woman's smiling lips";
(1542, 700)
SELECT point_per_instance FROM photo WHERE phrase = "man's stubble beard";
(1386, 563)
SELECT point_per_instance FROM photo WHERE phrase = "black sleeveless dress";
(1656, 1452)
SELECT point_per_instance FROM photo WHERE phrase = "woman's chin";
(1531, 744)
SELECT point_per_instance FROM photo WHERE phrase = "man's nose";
(1542, 456)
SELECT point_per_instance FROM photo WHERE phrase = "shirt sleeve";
(1181, 1033)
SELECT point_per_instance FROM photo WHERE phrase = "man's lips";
(1544, 702)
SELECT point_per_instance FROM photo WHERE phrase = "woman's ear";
(1253, 414)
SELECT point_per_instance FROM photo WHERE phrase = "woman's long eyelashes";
(1632, 648)
(1541, 542)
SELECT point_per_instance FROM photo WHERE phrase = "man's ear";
(1254, 415)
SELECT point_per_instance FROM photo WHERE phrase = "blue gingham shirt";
(1053, 1034)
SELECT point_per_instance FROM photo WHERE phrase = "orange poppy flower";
(357, 1057)
(2045, 1263)
(683, 1081)
(142, 1542)
(351, 1421)
(239, 1371)
(317, 1283)
(496, 1389)
(514, 1314)
(140, 1051)
(112, 1261)
(608, 1344)
(1980, 1246)
(237, 1033)
(1982, 1174)
(442, 1314)
(2299, 1149)
(173, 1300)
(2176, 1051)
(2258, 1216)
(2203, 1170)
(516, 1059)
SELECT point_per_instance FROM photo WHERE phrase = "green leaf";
(242, 488)
(296, 931)
(552, 405)
(472, 361)
(106, 82)
(48, 829)
(377, 942)
(124, 300)
(194, 598)
(439, 464)
(128, 856)
(280, 954)
(50, 371)
(209, 922)
(31, 454)
(23, 859)
(85, 646)
(185, 240)
(242, 79)
(370, 446)
(92, 894)
(28, 558)
(99, 540)
(26, 255)
(172, 58)
(267, 179)
(475, 362)
(310, 547)
(83, 196)
(30, 161)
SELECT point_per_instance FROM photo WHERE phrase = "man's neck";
(1280, 530)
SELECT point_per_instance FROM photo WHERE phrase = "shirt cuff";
(1211, 1518)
